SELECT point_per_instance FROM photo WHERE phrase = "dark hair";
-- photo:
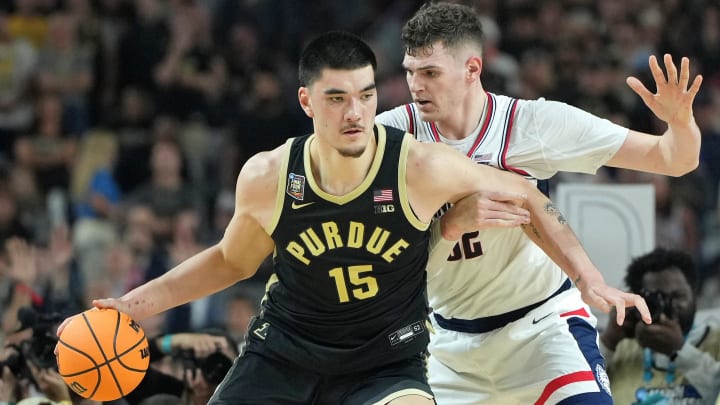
(451, 24)
(334, 50)
(656, 261)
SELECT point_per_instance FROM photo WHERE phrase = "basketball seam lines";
(97, 342)
(98, 365)
(119, 356)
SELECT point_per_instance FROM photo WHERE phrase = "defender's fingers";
(506, 196)
(636, 85)
(696, 85)
(672, 73)
(503, 223)
(641, 305)
(619, 311)
(656, 71)
(509, 208)
(505, 214)
(684, 72)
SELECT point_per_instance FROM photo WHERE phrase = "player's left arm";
(677, 151)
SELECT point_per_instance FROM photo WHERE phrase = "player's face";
(342, 104)
(437, 80)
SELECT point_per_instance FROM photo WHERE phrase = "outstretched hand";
(673, 100)
(599, 295)
(482, 210)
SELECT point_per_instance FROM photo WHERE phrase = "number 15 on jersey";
(356, 281)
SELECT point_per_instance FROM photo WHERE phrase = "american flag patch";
(382, 195)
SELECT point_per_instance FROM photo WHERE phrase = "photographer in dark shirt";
(674, 360)
(27, 363)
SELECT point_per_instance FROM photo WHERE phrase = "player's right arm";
(236, 257)
(437, 173)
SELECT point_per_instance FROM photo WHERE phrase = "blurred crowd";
(123, 125)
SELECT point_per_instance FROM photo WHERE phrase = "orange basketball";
(103, 354)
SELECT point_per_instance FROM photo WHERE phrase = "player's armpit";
(245, 245)
(247, 242)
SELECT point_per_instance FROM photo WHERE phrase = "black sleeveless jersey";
(351, 282)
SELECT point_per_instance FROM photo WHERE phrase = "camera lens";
(657, 303)
(214, 367)
(41, 351)
(14, 362)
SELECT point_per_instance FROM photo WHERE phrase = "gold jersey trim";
(362, 187)
(272, 280)
(282, 184)
(402, 186)
(402, 393)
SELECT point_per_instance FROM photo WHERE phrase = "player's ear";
(473, 67)
(304, 98)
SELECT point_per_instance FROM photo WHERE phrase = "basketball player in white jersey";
(511, 327)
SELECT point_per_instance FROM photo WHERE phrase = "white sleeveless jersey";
(499, 270)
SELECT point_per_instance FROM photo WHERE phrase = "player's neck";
(337, 174)
(462, 121)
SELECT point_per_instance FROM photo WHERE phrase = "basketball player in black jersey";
(345, 211)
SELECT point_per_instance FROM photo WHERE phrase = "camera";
(38, 349)
(658, 303)
(213, 367)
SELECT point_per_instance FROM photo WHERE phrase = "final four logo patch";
(296, 186)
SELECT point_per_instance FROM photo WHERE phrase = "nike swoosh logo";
(297, 206)
(540, 319)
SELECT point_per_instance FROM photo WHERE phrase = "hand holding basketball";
(102, 354)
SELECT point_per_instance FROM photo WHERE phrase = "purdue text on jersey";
(352, 235)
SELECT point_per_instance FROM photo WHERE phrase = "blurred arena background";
(123, 125)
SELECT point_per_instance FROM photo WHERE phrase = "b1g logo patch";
(384, 208)
(296, 186)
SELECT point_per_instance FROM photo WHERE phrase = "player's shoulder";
(428, 156)
(401, 110)
(264, 166)
(269, 158)
(546, 107)
(396, 117)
